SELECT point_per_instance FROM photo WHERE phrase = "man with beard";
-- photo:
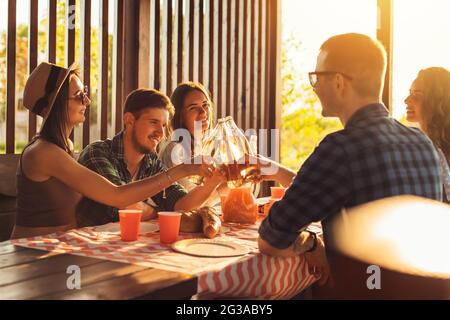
(131, 155)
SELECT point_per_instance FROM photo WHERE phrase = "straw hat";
(42, 87)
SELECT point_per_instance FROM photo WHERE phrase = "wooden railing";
(225, 44)
(231, 46)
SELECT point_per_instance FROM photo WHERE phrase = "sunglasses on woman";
(82, 96)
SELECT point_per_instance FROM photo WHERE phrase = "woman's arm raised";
(98, 188)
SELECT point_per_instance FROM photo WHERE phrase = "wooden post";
(118, 68)
(384, 35)
(273, 75)
(103, 69)
(85, 61)
(32, 58)
(131, 46)
(11, 78)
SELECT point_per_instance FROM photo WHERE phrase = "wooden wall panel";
(231, 46)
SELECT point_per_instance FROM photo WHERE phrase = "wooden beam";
(228, 99)
(85, 60)
(118, 69)
(180, 32)
(51, 31)
(32, 57)
(144, 43)
(169, 47)
(201, 38)
(273, 78)
(219, 102)
(70, 39)
(252, 105)
(273, 59)
(237, 19)
(262, 63)
(11, 77)
(385, 35)
(191, 39)
(157, 46)
(70, 32)
(211, 51)
(131, 46)
(103, 68)
(243, 97)
(259, 94)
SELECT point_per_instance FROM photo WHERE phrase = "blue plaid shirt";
(107, 159)
(373, 157)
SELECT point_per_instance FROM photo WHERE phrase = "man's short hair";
(360, 57)
(141, 99)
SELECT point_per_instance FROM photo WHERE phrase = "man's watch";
(314, 237)
(301, 244)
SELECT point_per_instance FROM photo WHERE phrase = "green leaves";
(302, 125)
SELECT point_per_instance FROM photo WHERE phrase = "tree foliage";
(22, 58)
(302, 126)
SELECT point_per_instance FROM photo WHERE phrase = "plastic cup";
(130, 222)
(269, 205)
(277, 192)
(169, 226)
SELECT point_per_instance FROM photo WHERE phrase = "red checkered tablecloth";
(254, 275)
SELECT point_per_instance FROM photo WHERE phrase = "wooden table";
(35, 274)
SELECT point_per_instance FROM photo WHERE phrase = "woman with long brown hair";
(428, 104)
(193, 105)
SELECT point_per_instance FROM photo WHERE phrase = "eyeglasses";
(313, 76)
(82, 96)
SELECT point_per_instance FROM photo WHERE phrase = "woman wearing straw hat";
(50, 182)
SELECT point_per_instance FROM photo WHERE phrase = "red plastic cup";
(130, 222)
(269, 205)
(277, 192)
(169, 226)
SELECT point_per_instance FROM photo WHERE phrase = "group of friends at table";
(374, 156)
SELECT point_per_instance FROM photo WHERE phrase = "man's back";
(373, 157)
(386, 158)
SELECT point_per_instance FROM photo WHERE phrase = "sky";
(421, 33)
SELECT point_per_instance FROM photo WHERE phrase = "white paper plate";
(209, 248)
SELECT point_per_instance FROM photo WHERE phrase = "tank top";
(48, 203)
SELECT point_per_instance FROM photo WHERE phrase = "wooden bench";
(8, 193)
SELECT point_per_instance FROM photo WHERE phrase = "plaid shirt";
(107, 159)
(445, 174)
(373, 157)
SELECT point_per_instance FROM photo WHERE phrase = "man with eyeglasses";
(131, 156)
(373, 157)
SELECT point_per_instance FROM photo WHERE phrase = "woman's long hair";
(55, 127)
(436, 106)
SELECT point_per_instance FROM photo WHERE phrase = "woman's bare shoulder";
(43, 151)
(39, 157)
